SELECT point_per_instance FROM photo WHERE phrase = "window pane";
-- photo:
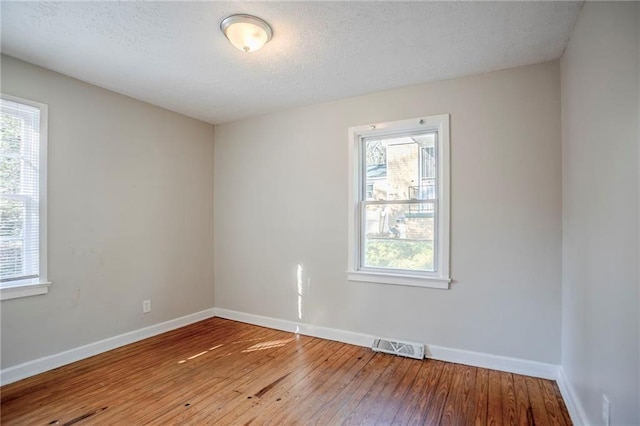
(11, 218)
(399, 236)
(400, 168)
(10, 172)
(10, 130)
(11, 258)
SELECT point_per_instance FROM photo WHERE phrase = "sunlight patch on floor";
(268, 345)
(182, 361)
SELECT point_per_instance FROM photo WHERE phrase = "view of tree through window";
(11, 211)
(400, 201)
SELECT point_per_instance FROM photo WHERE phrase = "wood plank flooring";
(225, 372)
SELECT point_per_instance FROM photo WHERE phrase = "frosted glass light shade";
(246, 32)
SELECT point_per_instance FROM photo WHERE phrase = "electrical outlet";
(606, 410)
(146, 306)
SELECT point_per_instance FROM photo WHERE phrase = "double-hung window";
(399, 202)
(23, 154)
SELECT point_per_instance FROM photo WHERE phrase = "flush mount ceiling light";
(246, 32)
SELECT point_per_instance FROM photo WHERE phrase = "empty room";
(320, 212)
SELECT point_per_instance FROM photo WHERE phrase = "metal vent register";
(395, 347)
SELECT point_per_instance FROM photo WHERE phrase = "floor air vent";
(395, 347)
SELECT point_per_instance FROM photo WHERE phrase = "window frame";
(440, 278)
(40, 284)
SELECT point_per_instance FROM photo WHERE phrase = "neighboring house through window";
(23, 150)
(399, 202)
(428, 170)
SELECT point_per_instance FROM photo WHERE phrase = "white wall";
(600, 120)
(130, 217)
(282, 182)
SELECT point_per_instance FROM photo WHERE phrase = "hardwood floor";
(225, 372)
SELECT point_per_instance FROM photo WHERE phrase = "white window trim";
(440, 278)
(24, 290)
(40, 285)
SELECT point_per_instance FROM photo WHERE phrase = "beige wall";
(282, 179)
(130, 217)
(600, 120)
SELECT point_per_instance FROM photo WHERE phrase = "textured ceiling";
(172, 54)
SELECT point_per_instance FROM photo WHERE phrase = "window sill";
(397, 279)
(24, 289)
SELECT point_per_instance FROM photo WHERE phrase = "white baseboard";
(31, 368)
(349, 337)
(571, 400)
(525, 367)
(475, 359)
